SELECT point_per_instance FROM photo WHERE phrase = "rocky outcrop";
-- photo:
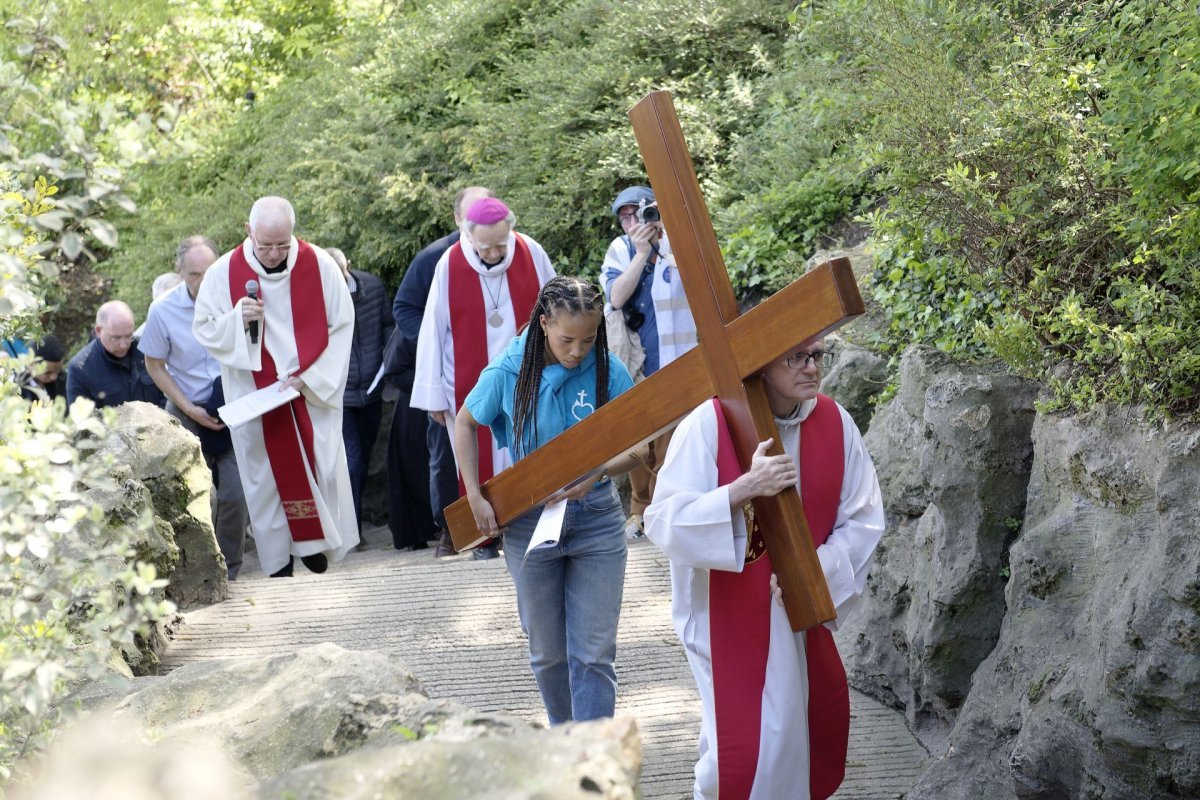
(1035, 603)
(858, 376)
(327, 722)
(953, 454)
(158, 470)
(1093, 688)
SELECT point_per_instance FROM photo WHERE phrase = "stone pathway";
(454, 623)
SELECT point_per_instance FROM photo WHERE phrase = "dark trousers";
(443, 471)
(360, 429)
(410, 517)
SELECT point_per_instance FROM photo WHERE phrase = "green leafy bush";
(372, 137)
(71, 596)
(1034, 164)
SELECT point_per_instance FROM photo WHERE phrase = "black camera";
(647, 212)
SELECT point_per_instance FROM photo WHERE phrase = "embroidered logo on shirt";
(577, 410)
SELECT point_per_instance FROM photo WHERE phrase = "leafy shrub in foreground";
(71, 597)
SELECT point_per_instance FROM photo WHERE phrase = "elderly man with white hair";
(296, 331)
(484, 288)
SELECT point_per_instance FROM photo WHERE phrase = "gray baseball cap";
(632, 197)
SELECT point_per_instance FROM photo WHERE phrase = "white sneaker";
(633, 527)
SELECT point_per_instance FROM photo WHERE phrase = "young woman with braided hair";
(555, 373)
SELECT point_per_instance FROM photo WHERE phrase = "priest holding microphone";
(275, 311)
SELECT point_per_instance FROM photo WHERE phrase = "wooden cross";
(733, 349)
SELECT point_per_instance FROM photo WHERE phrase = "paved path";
(453, 620)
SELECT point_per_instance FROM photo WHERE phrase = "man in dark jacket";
(109, 370)
(362, 404)
(422, 477)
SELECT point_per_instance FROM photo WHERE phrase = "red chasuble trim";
(288, 430)
(740, 628)
(468, 329)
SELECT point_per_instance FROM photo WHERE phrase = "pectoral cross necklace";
(496, 319)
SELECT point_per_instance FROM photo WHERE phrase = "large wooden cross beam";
(733, 349)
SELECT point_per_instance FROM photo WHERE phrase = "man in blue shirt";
(185, 371)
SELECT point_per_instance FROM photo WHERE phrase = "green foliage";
(1036, 161)
(71, 596)
(784, 223)
(1027, 170)
(931, 295)
(793, 172)
(529, 99)
(66, 139)
(121, 86)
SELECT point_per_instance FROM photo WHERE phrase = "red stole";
(288, 430)
(740, 626)
(468, 328)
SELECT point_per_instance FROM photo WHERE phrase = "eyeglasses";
(627, 216)
(802, 360)
(268, 248)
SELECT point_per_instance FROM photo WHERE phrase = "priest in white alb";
(483, 291)
(275, 311)
(775, 704)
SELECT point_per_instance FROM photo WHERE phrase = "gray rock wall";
(953, 453)
(857, 377)
(1035, 604)
(1093, 688)
(159, 470)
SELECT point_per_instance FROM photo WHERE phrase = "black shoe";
(420, 546)
(445, 546)
(486, 552)
(286, 572)
(317, 562)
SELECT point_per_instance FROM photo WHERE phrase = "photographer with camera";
(641, 282)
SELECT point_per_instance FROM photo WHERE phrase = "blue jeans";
(569, 599)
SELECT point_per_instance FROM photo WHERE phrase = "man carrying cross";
(276, 308)
(484, 288)
(775, 703)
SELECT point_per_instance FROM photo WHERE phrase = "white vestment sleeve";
(428, 391)
(325, 378)
(689, 518)
(541, 264)
(218, 324)
(847, 554)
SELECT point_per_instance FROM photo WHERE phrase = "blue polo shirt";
(565, 396)
(168, 336)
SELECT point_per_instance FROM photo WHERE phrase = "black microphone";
(252, 293)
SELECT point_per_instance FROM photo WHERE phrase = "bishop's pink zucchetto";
(487, 211)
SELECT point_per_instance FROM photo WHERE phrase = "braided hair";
(561, 294)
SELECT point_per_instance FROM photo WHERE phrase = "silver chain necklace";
(496, 319)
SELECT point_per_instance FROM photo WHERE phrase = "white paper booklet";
(549, 526)
(255, 404)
